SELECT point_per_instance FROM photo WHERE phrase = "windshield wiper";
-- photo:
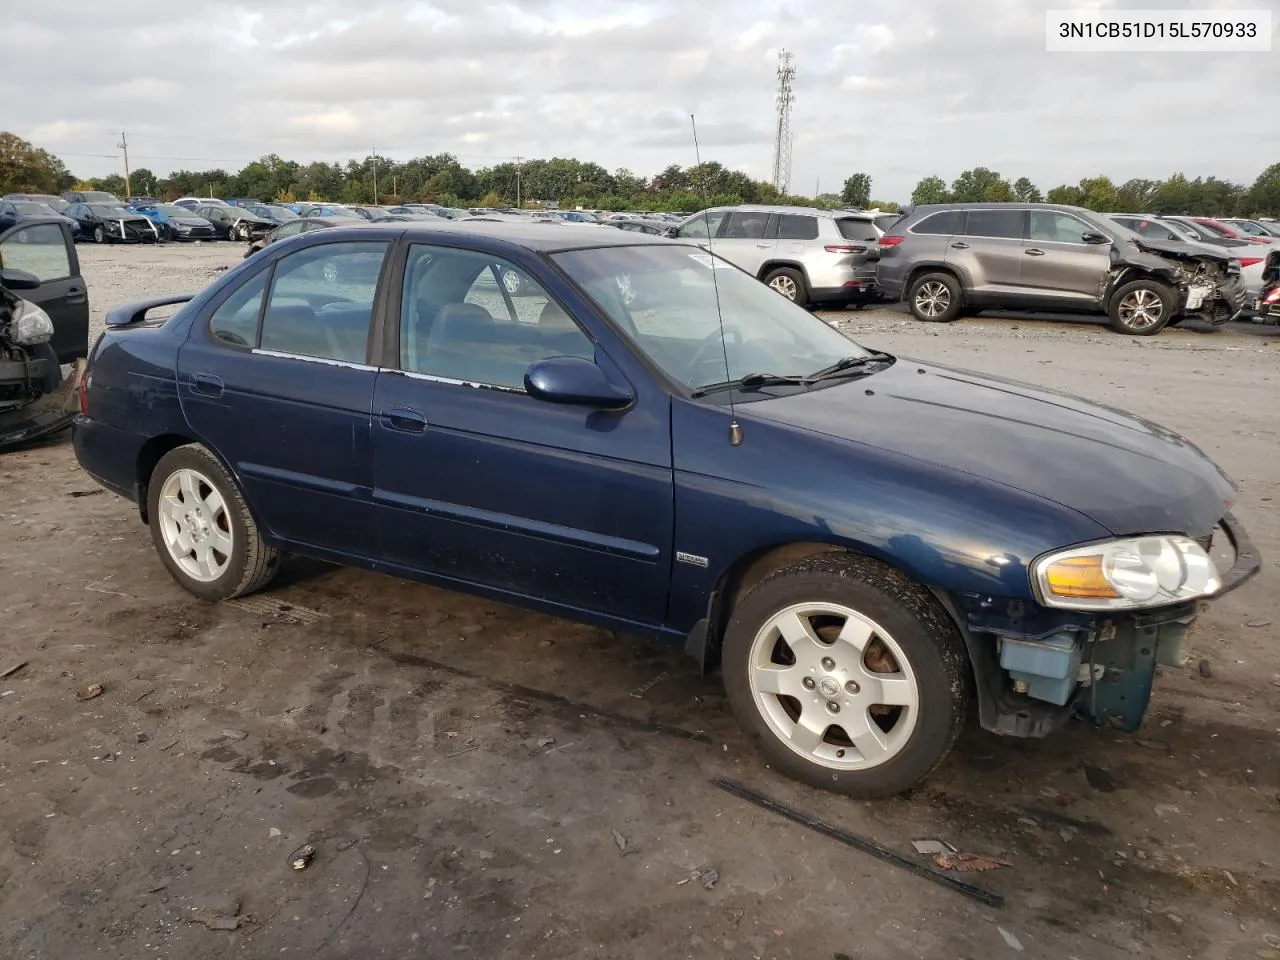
(847, 365)
(748, 381)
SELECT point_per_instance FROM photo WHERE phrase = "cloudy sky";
(900, 89)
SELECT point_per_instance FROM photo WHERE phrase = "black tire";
(935, 298)
(790, 283)
(917, 624)
(99, 235)
(1133, 311)
(969, 311)
(250, 564)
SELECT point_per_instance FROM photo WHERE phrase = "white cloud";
(899, 90)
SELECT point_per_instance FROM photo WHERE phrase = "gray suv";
(810, 256)
(946, 260)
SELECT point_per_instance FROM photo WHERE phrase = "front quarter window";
(669, 300)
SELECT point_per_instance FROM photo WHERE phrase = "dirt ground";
(478, 781)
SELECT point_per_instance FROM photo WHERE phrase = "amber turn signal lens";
(1079, 577)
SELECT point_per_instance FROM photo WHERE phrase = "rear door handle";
(1035, 252)
(207, 384)
(404, 419)
(960, 246)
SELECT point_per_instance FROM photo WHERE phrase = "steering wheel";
(713, 340)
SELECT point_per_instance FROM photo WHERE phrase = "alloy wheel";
(785, 286)
(1141, 309)
(933, 299)
(195, 525)
(833, 686)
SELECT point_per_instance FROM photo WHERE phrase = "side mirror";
(573, 380)
(19, 280)
(1094, 238)
(673, 232)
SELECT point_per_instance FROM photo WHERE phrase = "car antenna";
(735, 428)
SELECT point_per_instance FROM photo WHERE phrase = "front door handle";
(764, 243)
(206, 384)
(1035, 252)
(76, 296)
(960, 246)
(404, 419)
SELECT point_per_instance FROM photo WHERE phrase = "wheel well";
(919, 271)
(148, 457)
(775, 264)
(1130, 274)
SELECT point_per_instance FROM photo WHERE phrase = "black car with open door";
(44, 329)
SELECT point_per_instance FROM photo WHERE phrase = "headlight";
(1126, 574)
(111, 225)
(30, 325)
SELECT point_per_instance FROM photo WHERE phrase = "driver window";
(478, 319)
(1047, 226)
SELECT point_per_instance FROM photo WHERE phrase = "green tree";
(973, 186)
(28, 169)
(885, 206)
(143, 182)
(856, 191)
(1067, 194)
(1098, 193)
(930, 190)
(1172, 196)
(111, 184)
(1134, 196)
(1026, 191)
(1263, 198)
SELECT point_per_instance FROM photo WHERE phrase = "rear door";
(992, 241)
(46, 250)
(1059, 265)
(275, 380)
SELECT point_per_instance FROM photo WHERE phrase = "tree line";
(441, 178)
(1203, 196)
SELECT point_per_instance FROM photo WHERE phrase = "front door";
(747, 239)
(275, 381)
(1058, 263)
(46, 250)
(477, 481)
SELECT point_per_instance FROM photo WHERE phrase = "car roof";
(784, 208)
(538, 237)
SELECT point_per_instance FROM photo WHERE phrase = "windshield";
(114, 211)
(170, 210)
(31, 208)
(663, 297)
(280, 213)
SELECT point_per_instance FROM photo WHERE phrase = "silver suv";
(810, 256)
(946, 260)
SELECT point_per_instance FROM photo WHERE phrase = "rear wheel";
(846, 675)
(1142, 308)
(99, 235)
(935, 298)
(790, 283)
(202, 527)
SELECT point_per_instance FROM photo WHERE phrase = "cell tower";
(782, 145)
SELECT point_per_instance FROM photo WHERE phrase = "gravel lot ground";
(478, 781)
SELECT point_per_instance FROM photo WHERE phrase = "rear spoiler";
(136, 311)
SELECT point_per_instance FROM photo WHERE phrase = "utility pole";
(519, 170)
(394, 195)
(373, 153)
(124, 145)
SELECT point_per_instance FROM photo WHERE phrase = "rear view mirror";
(1092, 237)
(19, 280)
(573, 380)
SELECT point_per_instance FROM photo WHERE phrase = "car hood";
(190, 221)
(1180, 249)
(1130, 475)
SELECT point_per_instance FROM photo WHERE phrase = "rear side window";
(855, 228)
(887, 220)
(321, 301)
(942, 224)
(1005, 224)
(741, 225)
(235, 322)
(794, 226)
(39, 249)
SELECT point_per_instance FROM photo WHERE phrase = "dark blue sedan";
(649, 440)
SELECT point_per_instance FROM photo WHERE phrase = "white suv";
(813, 257)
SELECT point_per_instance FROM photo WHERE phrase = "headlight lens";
(30, 325)
(1124, 574)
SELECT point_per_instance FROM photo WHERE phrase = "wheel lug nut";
(828, 663)
(808, 683)
(852, 687)
(833, 707)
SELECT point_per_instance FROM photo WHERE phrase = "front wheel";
(790, 283)
(846, 675)
(1142, 308)
(99, 235)
(202, 527)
